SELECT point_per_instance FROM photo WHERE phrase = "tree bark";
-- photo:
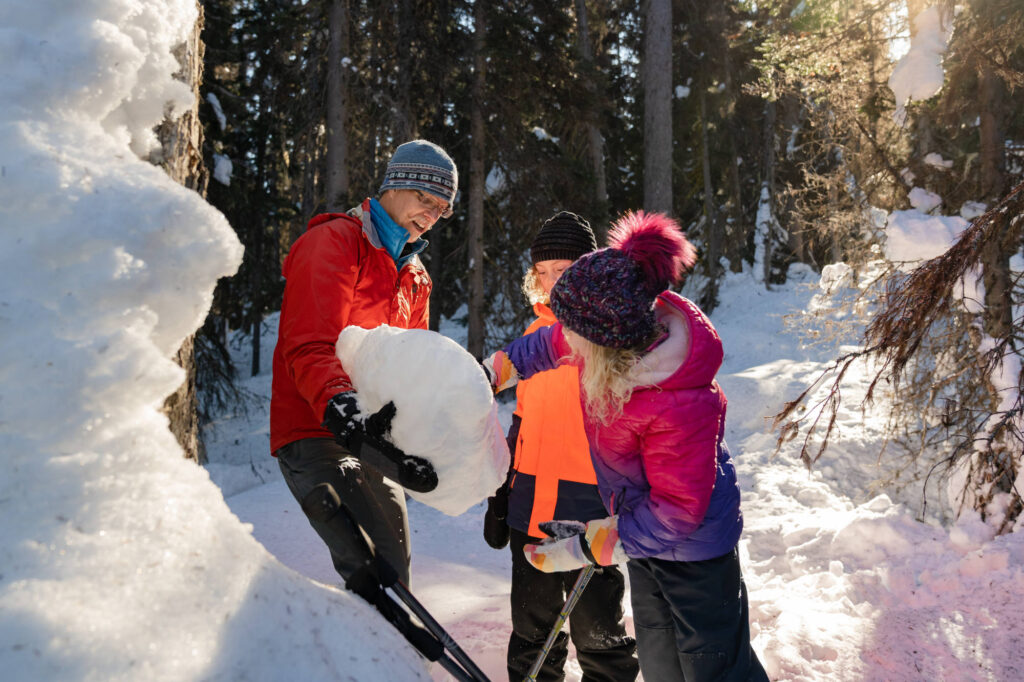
(657, 75)
(711, 227)
(768, 190)
(475, 332)
(405, 122)
(181, 150)
(595, 140)
(337, 107)
(996, 259)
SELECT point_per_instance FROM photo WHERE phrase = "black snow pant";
(604, 651)
(691, 620)
(376, 504)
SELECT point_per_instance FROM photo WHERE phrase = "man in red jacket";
(356, 268)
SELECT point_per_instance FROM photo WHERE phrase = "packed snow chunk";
(972, 209)
(936, 161)
(923, 200)
(919, 75)
(445, 411)
(222, 168)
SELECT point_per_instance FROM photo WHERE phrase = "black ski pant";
(604, 651)
(376, 504)
(692, 622)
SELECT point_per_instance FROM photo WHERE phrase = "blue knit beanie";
(608, 296)
(424, 166)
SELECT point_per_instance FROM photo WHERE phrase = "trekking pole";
(389, 579)
(574, 596)
(323, 503)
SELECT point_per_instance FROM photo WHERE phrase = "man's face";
(414, 210)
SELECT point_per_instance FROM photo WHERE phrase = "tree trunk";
(182, 158)
(996, 260)
(657, 75)
(405, 123)
(766, 207)
(475, 332)
(711, 227)
(595, 140)
(337, 107)
(992, 152)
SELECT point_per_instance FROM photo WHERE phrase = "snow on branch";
(915, 307)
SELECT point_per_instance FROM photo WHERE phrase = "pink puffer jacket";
(662, 465)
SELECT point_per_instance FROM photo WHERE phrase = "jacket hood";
(323, 218)
(691, 354)
(357, 213)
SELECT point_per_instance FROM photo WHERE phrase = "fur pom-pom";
(656, 243)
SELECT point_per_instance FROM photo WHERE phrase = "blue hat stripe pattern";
(424, 177)
(422, 165)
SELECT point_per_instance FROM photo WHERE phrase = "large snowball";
(445, 409)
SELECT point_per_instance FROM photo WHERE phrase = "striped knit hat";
(608, 296)
(563, 236)
(424, 166)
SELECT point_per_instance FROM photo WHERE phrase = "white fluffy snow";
(913, 235)
(919, 75)
(923, 200)
(936, 161)
(218, 110)
(119, 559)
(222, 168)
(444, 408)
(972, 209)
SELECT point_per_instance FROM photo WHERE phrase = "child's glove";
(366, 437)
(500, 371)
(496, 532)
(574, 545)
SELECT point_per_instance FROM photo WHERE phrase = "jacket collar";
(692, 353)
(542, 311)
(385, 233)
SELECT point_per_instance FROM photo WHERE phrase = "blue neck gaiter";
(393, 236)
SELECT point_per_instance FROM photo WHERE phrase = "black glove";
(367, 438)
(496, 531)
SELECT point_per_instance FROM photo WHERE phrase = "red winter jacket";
(337, 274)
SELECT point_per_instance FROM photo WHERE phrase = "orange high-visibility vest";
(553, 476)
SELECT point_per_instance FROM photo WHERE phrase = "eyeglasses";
(434, 205)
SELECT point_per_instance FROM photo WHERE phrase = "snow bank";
(445, 410)
(119, 559)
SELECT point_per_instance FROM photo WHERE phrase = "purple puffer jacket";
(662, 465)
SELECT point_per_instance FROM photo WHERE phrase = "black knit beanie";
(563, 236)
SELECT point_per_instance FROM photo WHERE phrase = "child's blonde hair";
(531, 287)
(605, 377)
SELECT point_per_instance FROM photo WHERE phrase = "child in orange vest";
(553, 478)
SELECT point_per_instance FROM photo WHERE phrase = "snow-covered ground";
(844, 583)
(120, 560)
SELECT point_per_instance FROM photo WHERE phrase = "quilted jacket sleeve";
(321, 271)
(538, 352)
(679, 449)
